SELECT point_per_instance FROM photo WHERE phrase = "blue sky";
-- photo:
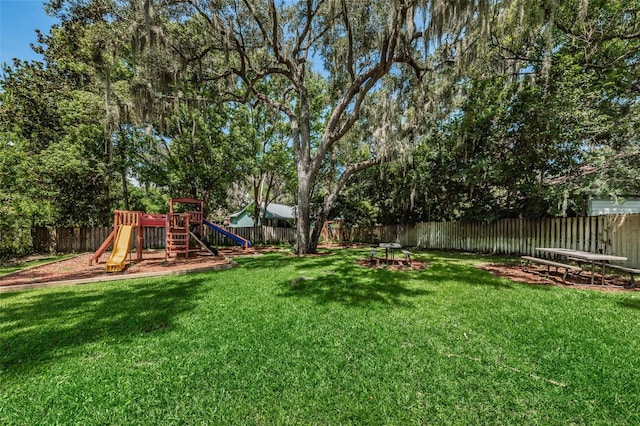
(18, 21)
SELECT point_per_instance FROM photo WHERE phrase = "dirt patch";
(153, 262)
(538, 275)
(394, 265)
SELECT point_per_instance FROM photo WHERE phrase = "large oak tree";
(353, 45)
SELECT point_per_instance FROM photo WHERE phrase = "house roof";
(281, 211)
(274, 210)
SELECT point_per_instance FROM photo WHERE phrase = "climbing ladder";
(180, 226)
(177, 235)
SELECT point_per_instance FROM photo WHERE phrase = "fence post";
(521, 238)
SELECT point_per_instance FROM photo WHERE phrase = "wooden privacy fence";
(614, 234)
(259, 235)
(66, 240)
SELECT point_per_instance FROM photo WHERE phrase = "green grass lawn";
(320, 340)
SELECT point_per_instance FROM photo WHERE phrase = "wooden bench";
(550, 263)
(407, 256)
(631, 271)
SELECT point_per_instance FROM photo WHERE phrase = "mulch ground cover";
(394, 265)
(153, 261)
(539, 275)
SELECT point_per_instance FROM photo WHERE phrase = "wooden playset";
(181, 229)
(332, 232)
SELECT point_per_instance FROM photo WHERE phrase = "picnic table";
(584, 256)
(389, 248)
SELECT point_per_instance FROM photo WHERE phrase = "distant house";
(278, 215)
(599, 207)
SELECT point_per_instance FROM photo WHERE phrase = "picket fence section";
(612, 234)
(83, 239)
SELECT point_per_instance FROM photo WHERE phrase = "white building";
(600, 207)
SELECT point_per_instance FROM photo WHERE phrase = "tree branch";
(347, 24)
(359, 88)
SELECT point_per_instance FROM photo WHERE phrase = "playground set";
(332, 232)
(181, 228)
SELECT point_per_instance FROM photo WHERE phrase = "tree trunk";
(304, 212)
(317, 230)
(267, 201)
(257, 183)
(327, 205)
(301, 132)
(331, 197)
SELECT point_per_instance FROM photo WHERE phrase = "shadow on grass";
(45, 325)
(278, 261)
(335, 278)
(630, 303)
(476, 277)
(360, 289)
(356, 285)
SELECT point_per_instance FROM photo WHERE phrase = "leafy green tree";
(533, 127)
(269, 161)
(160, 127)
(202, 159)
(359, 43)
(20, 204)
(570, 118)
(57, 128)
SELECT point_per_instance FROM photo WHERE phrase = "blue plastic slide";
(236, 238)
